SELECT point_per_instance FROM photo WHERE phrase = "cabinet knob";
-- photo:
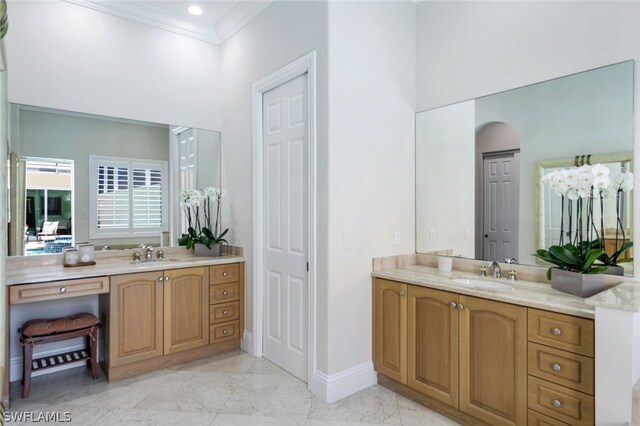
(452, 304)
(225, 331)
(63, 289)
(556, 367)
(225, 312)
(167, 278)
(225, 273)
(556, 331)
(160, 279)
(556, 403)
(402, 293)
(459, 306)
(225, 293)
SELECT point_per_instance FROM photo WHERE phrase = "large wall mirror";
(480, 164)
(78, 177)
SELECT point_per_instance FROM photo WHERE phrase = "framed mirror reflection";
(479, 164)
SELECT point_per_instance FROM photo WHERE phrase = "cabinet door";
(186, 309)
(390, 329)
(135, 318)
(433, 343)
(493, 361)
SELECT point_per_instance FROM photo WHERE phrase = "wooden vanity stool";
(40, 331)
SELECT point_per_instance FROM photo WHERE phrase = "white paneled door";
(285, 182)
(501, 205)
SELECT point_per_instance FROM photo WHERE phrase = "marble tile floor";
(228, 389)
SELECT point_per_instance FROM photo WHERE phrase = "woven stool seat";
(43, 327)
(39, 331)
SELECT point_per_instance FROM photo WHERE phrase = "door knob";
(160, 279)
(225, 312)
(225, 293)
(556, 331)
(556, 403)
(556, 367)
(459, 306)
(452, 304)
(63, 289)
(402, 293)
(225, 273)
(167, 278)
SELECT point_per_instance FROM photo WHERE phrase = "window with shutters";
(128, 197)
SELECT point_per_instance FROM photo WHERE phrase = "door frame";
(304, 65)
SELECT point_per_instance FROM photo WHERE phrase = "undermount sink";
(480, 283)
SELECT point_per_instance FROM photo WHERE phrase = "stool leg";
(27, 360)
(93, 345)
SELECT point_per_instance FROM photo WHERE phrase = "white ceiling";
(221, 19)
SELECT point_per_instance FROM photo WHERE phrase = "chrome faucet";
(149, 253)
(497, 272)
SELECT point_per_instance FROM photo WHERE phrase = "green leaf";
(566, 256)
(590, 257)
(549, 274)
(630, 259)
(598, 269)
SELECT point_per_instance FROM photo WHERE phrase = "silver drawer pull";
(167, 278)
(459, 306)
(556, 331)
(225, 273)
(63, 289)
(402, 293)
(225, 331)
(160, 279)
(452, 304)
(556, 403)
(225, 293)
(556, 367)
(225, 312)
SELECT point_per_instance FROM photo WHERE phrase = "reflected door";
(501, 205)
(285, 233)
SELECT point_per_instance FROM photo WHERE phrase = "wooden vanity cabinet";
(466, 352)
(157, 313)
(157, 319)
(135, 318)
(390, 329)
(186, 309)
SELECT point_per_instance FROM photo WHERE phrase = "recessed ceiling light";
(195, 10)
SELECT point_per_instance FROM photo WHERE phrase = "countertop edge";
(587, 312)
(111, 268)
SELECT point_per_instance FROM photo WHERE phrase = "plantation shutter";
(129, 196)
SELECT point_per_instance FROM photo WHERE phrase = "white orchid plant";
(196, 202)
(578, 186)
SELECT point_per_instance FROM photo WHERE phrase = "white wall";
(78, 59)
(283, 32)
(445, 179)
(371, 162)
(471, 49)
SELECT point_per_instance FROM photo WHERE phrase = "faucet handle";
(160, 254)
(136, 256)
(512, 275)
(483, 271)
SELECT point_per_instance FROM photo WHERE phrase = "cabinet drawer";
(537, 419)
(560, 403)
(560, 331)
(224, 293)
(224, 312)
(26, 293)
(224, 273)
(564, 368)
(223, 332)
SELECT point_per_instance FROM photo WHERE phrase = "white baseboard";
(15, 363)
(247, 343)
(334, 387)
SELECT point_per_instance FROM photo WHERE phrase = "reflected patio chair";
(49, 229)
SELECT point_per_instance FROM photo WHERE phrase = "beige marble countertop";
(29, 274)
(623, 297)
(525, 293)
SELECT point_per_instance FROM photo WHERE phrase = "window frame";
(130, 163)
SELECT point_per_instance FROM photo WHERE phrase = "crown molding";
(153, 17)
(243, 13)
(238, 17)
